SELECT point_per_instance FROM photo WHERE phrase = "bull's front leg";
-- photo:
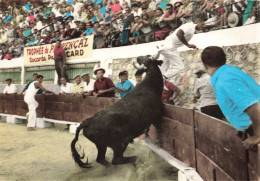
(118, 157)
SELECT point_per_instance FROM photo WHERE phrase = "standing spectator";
(114, 6)
(168, 92)
(60, 61)
(29, 99)
(78, 87)
(103, 86)
(203, 91)
(238, 95)
(88, 84)
(40, 91)
(124, 86)
(10, 88)
(136, 30)
(65, 87)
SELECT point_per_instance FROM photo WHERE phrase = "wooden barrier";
(205, 143)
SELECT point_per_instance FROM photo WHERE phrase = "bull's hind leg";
(118, 157)
(101, 155)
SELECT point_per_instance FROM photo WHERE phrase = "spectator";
(164, 28)
(136, 10)
(163, 4)
(185, 11)
(10, 33)
(124, 86)
(48, 37)
(252, 15)
(32, 41)
(65, 87)
(88, 31)
(171, 12)
(17, 49)
(168, 92)
(222, 14)
(10, 88)
(60, 61)
(88, 84)
(203, 91)
(5, 53)
(114, 6)
(78, 31)
(40, 91)
(102, 9)
(78, 87)
(55, 24)
(136, 30)
(67, 34)
(103, 86)
(138, 78)
(29, 99)
(237, 94)
(27, 32)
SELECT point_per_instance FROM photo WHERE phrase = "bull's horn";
(139, 67)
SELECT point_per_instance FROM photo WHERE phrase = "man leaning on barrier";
(237, 93)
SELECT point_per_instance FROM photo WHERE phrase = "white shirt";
(204, 89)
(68, 88)
(31, 92)
(90, 86)
(173, 42)
(10, 89)
(138, 13)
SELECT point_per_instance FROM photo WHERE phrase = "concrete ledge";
(42, 123)
(14, 120)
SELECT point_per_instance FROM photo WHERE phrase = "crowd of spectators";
(112, 22)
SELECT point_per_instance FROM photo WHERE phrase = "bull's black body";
(125, 120)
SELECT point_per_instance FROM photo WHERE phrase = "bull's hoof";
(124, 160)
(103, 162)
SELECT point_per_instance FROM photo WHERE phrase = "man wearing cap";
(9, 88)
(88, 84)
(103, 86)
(29, 98)
(78, 87)
(203, 91)
(65, 87)
(60, 61)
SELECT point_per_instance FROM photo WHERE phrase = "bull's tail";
(75, 154)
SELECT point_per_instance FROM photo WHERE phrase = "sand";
(45, 154)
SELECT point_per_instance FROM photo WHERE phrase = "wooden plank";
(41, 107)
(232, 164)
(208, 170)
(182, 115)
(254, 160)
(9, 104)
(2, 103)
(253, 175)
(21, 107)
(73, 109)
(181, 131)
(219, 132)
(54, 110)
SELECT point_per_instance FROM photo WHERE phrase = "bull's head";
(144, 61)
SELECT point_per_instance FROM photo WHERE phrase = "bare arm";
(254, 114)
(180, 35)
(38, 85)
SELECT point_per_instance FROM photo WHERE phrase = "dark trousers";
(60, 70)
(213, 110)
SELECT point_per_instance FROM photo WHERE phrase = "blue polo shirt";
(127, 85)
(89, 31)
(235, 92)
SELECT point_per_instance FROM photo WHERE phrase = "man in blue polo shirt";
(237, 93)
(124, 86)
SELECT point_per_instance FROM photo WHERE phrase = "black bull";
(125, 120)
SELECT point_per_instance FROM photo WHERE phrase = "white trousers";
(172, 64)
(32, 105)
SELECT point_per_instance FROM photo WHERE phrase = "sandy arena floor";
(45, 154)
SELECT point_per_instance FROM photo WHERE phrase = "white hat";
(233, 19)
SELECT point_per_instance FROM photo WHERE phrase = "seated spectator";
(136, 30)
(163, 4)
(71, 22)
(124, 86)
(78, 87)
(17, 49)
(32, 41)
(103, 86)
(27, 32)
(185, 11)
(88, 84)
(10, 33)
(171, 12)
(45, 28)
(114, 6)
(102, 9)
(136, 10)
(222, 14)
(78, 31)
(252, 18)
(153, 5)
(10, 88)
(203, 91)
(56, 25)
(138, 78)
(65, 87)
(88, 31)
(168, 92)
(5, 53)
(47, 11)
(67, 33)
(48, 38)
(40, 91)
(164, 29)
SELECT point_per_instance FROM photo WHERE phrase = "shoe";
(30, 129)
